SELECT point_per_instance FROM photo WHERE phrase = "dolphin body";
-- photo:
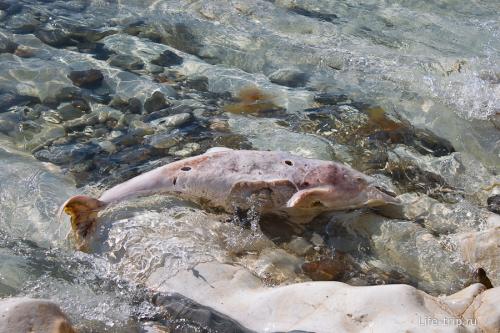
(274, 182)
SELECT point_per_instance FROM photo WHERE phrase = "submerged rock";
(175, 120)
(55, 37)
(289, 77)
(69, 153)
(443, 218)
(126, 62)
(197, 82)
(401, 246)
(258, 132)
(90, 78)
(167, 59)
(156, 102)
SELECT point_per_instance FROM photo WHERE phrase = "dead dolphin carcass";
(273, 181)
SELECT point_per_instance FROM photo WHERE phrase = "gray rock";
(176, 120)
(108, 146)
(54, 37)
(69, 112)
(299, 246)
(163, 140)
(65, 154)
(197, 82)
(187, 150)
(90, 78)
(7, 45)
(156, 102)
(126, 61)
(258, 132)
(6, 126)
(167, 59)
(79, 123)
(289, 77)
(46, 136)
(408, 247)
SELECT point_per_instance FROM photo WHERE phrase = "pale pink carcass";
(274, 182)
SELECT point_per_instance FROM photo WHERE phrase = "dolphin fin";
(310, 197)
(83, 211)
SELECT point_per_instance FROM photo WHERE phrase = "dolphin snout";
(377, 196)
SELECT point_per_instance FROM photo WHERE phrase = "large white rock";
(327, 306)
(481, 249)
(484, 311)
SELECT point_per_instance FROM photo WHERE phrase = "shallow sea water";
(406, 91)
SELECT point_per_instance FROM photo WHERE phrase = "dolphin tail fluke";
(83, 211)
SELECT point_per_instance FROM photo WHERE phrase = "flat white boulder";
(325, 306)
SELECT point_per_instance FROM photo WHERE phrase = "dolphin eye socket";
(186, 168)
(287, 162)
(360, 180)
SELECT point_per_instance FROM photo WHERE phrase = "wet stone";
(156, 102)
(197, 82)
(99, 51)
(51, 116)
(167, 59)
(133, 155)
(289, 77)
(427, 142)
(133, 105)
(163, 140)
(69, 112)
(90, 78)
(81, 122)
(108, 146)
(299, 246)
(6, 126)
(24, 24)
(11, 7)
(156, 115)
(67, 94)
(494, 203)
(9, 99)
(67, 154)
(331, 99)
(155, 69)
(187, 150)
(56, 37)
(7, 46)
(24, 51)
(139, 128)
(126, 62)
(317, 240)
(202, 317)
(127, 140)
(176, 120)
(31, 113)
(332, 268)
